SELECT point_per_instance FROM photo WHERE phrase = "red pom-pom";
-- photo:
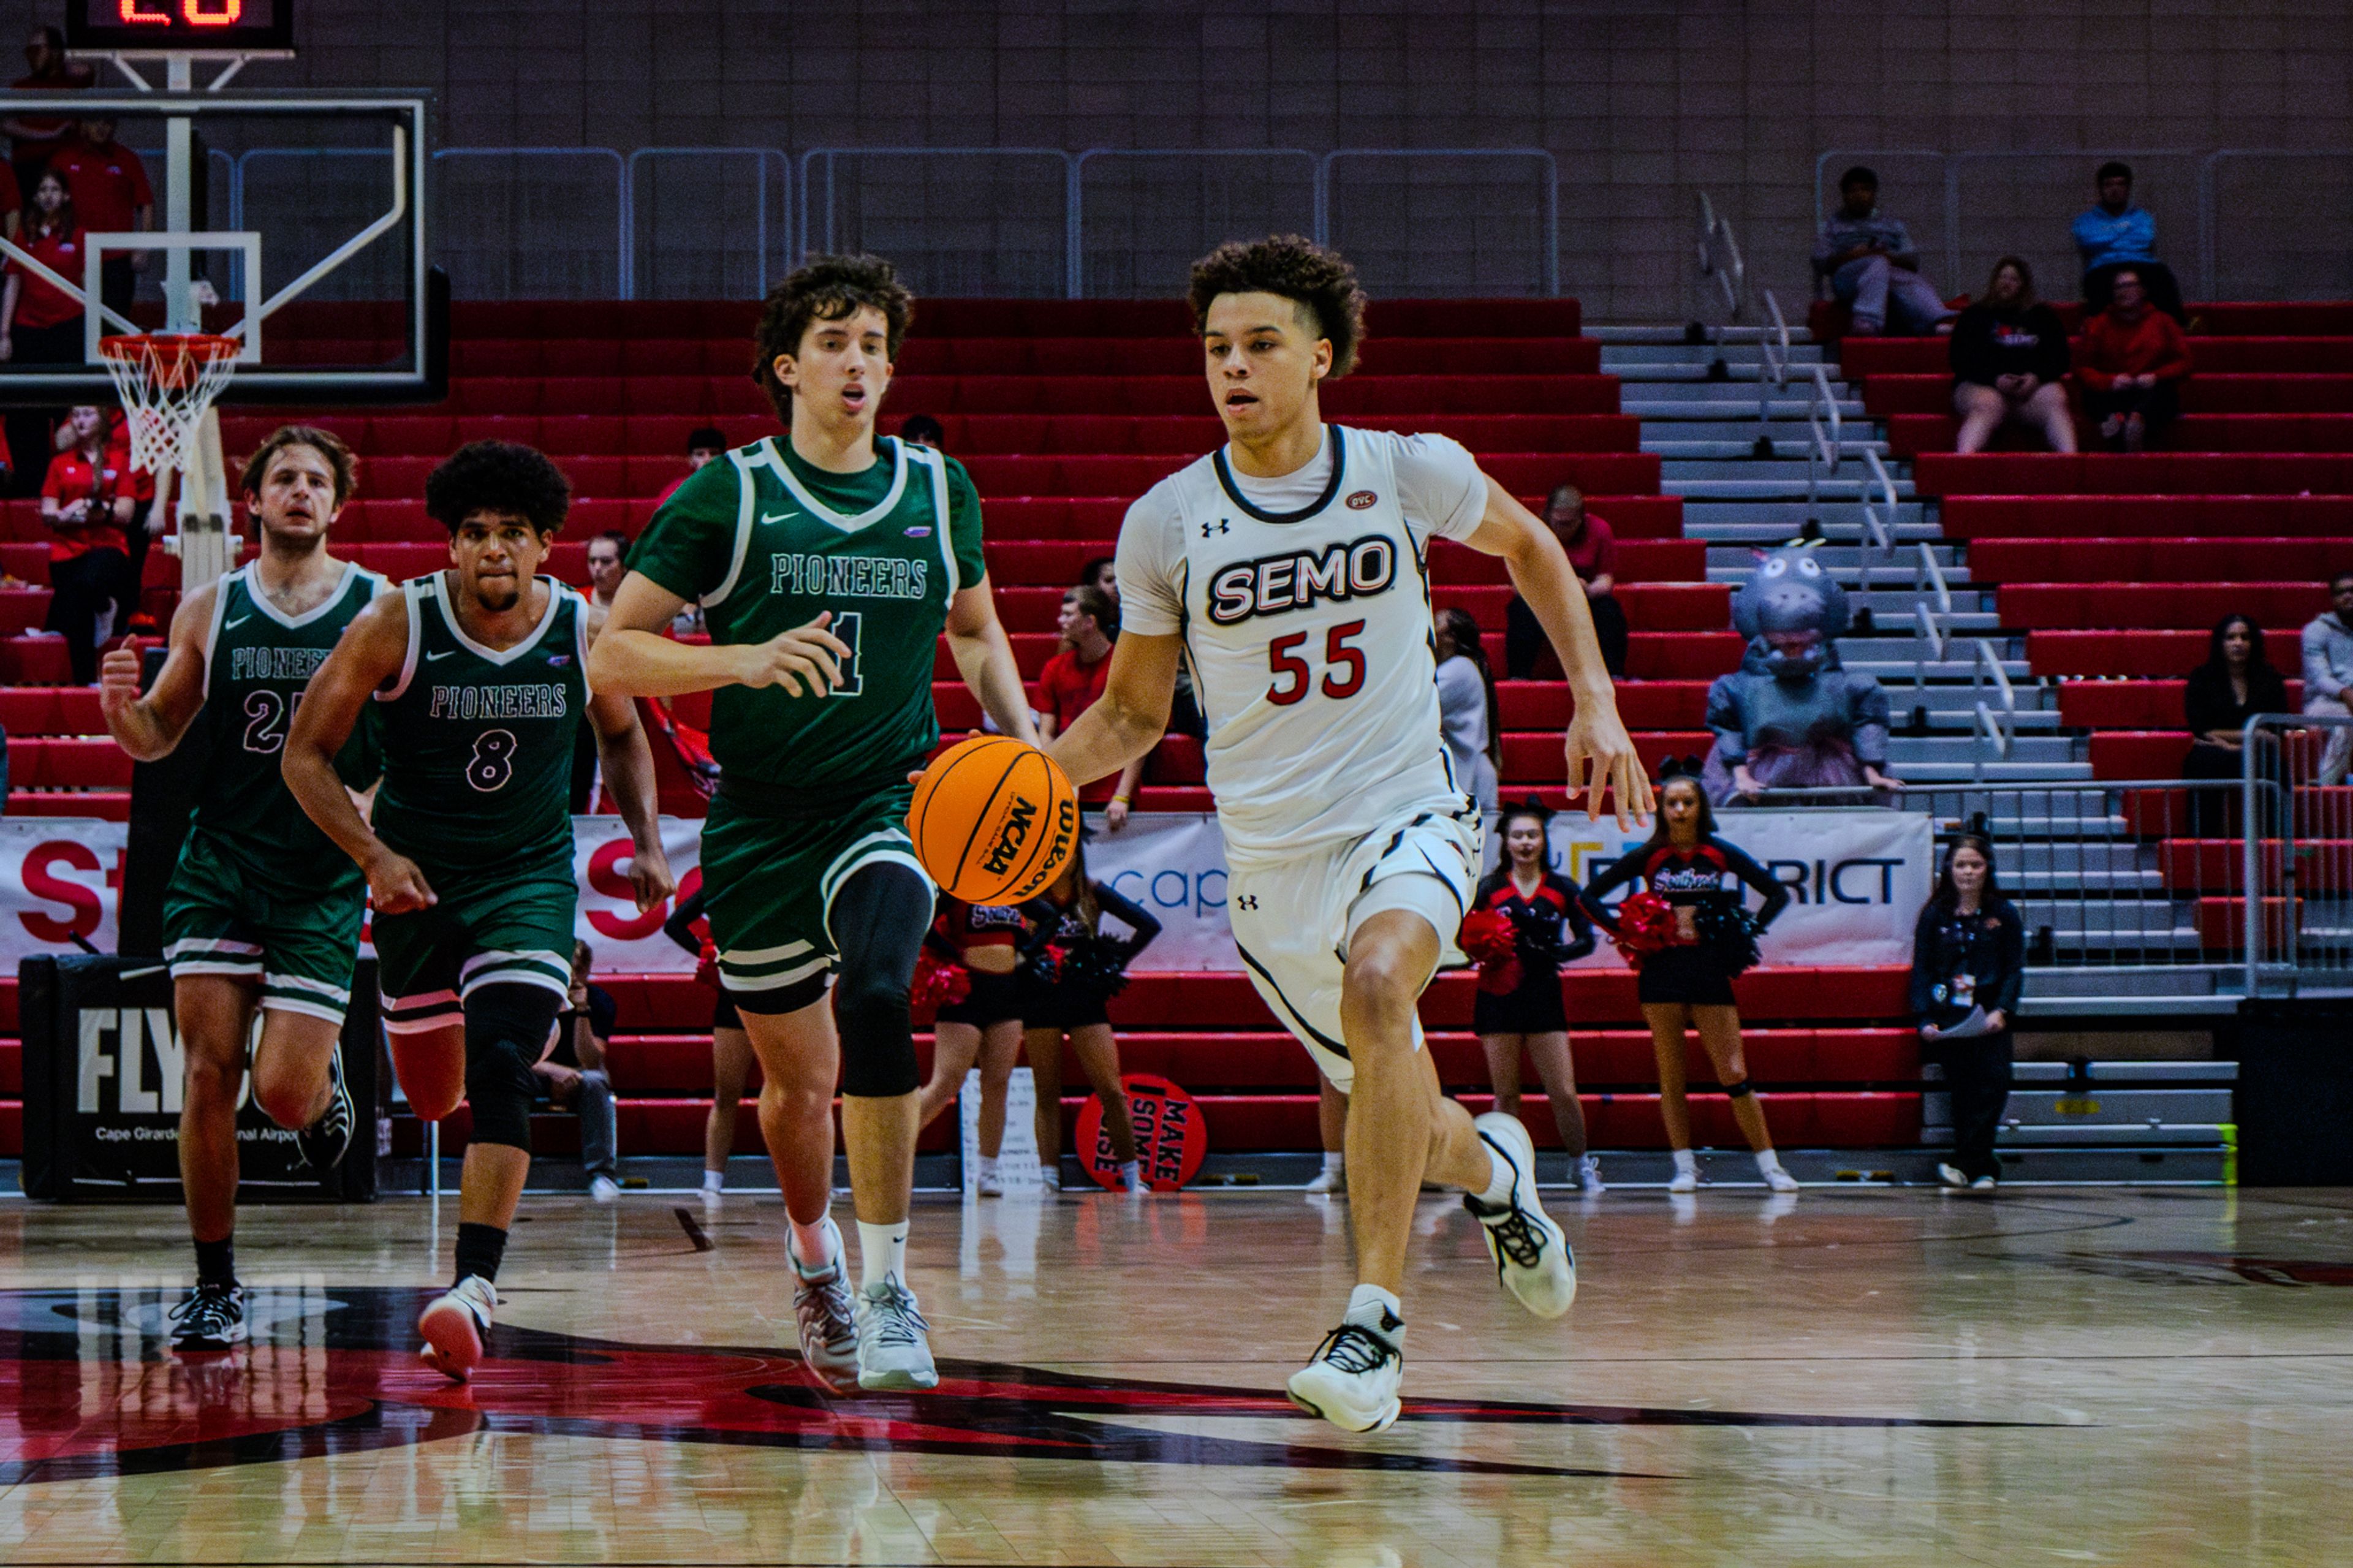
(1646, 925)
(938, 983)
(706, 965)
(1488, 936)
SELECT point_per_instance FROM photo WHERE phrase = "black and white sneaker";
(325, 1142)
(1352, 1382)
(1532, 1256)
(209, 1318)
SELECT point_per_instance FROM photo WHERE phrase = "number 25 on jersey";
(1294, 677)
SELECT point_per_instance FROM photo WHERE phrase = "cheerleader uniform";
(1691, 972)
(689, 929)
(1533, 1006)
(1052, 999)
(958, 930)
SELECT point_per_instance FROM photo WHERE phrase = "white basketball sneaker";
(1352, 1380)
(1532, 1256)
(1589, 1175)
(456, 1327)
(895, 1350)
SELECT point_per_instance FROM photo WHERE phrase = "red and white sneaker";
(456, 1327)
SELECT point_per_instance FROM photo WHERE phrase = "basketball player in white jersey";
(1287, 570)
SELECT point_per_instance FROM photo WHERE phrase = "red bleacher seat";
(2183, 606)
(2132, 704)
(2129, 653)
(2165, 517)
(1911, 435)
(2154, 560)
(2151, 473)
(1886, 395)
(1860, 357)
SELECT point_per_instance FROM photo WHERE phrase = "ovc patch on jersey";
(1296, 580)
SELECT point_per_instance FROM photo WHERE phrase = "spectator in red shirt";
(38, 323)
(87, 501)
(704, 443)
(2131, 364)
(33, 138)
(1592, 547)
(110, 192)
(1073, 679)
(12, 201)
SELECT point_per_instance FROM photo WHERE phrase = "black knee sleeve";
(506, 1032)
(1740, 1090)
(878, 917)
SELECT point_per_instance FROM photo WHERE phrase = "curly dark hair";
(1300, 270)
(326, 443)
(824, 288)
(498, 476)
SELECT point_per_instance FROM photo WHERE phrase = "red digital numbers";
(1344, 667)
(194, 13)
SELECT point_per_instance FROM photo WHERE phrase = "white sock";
(987, 1168)
(1333, 1162)
(1371, 1307)
(714, 1181)
(1051, 1173)
(881, 1253)
(1498, 1192)
(813, 1249)
(1131, 1173)
(1686, 1163)
(1768, 1162)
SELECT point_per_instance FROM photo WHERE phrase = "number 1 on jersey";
(846, 624)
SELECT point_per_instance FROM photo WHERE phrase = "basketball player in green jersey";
(479, 674)
(829, 563)
(260, 913)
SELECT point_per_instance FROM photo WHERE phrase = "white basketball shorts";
(1293, 916)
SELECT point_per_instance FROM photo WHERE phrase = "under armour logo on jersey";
(1295, 580)
(1221, 526)
(1246, 902)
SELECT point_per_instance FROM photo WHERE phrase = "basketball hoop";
(166, 381)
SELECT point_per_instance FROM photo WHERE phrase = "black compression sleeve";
(1618, 873)
(1775, 894)
(1131, 914)
(680, 927)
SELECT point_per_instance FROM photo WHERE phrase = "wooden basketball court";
(2145, 1375)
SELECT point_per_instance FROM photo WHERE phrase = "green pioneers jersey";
(257, 659)
(765, 541)
(477, 742)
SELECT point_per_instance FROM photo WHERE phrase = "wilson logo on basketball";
(1361, 500)
(1010, 838)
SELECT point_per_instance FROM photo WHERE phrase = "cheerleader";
(1067, 981)
(1519, 1006)
(731, 1047)
(984, 1026)
(1687, 981)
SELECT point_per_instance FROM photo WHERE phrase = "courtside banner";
(1857, 878)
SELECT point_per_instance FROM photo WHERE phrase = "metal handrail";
(1775, 374)
(1879, 526)
(759, 156)
(1730, 277)
(1828, 450)
(1075, 218)
(2325, 819)
(1551, 190)
(1928, 647)
(1999, 727)
(620, 190)
(1929, 577)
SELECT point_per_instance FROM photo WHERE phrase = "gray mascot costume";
(1790, 717)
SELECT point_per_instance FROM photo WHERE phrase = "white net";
(166, 381)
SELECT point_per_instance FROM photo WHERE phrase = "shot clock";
(180, 26)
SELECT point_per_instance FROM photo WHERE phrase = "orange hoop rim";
(204, 346)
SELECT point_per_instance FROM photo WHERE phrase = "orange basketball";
(994, 821)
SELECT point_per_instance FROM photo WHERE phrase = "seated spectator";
(88, 500)
(1072, 680)
(704, 443)
(2010, 363)
(2114, 232)
(2236, 681)
(1103, 573)
(1467, 716)
(922, 430)
(1593, 551)
(573, 1075)
(1871, 267)
(2329, 674)
(2132, 363)
(110, 193)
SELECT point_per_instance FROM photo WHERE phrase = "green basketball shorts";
(513, 929)
(769, 883)
(223, 916)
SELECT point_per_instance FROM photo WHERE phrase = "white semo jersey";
(1304, 607)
